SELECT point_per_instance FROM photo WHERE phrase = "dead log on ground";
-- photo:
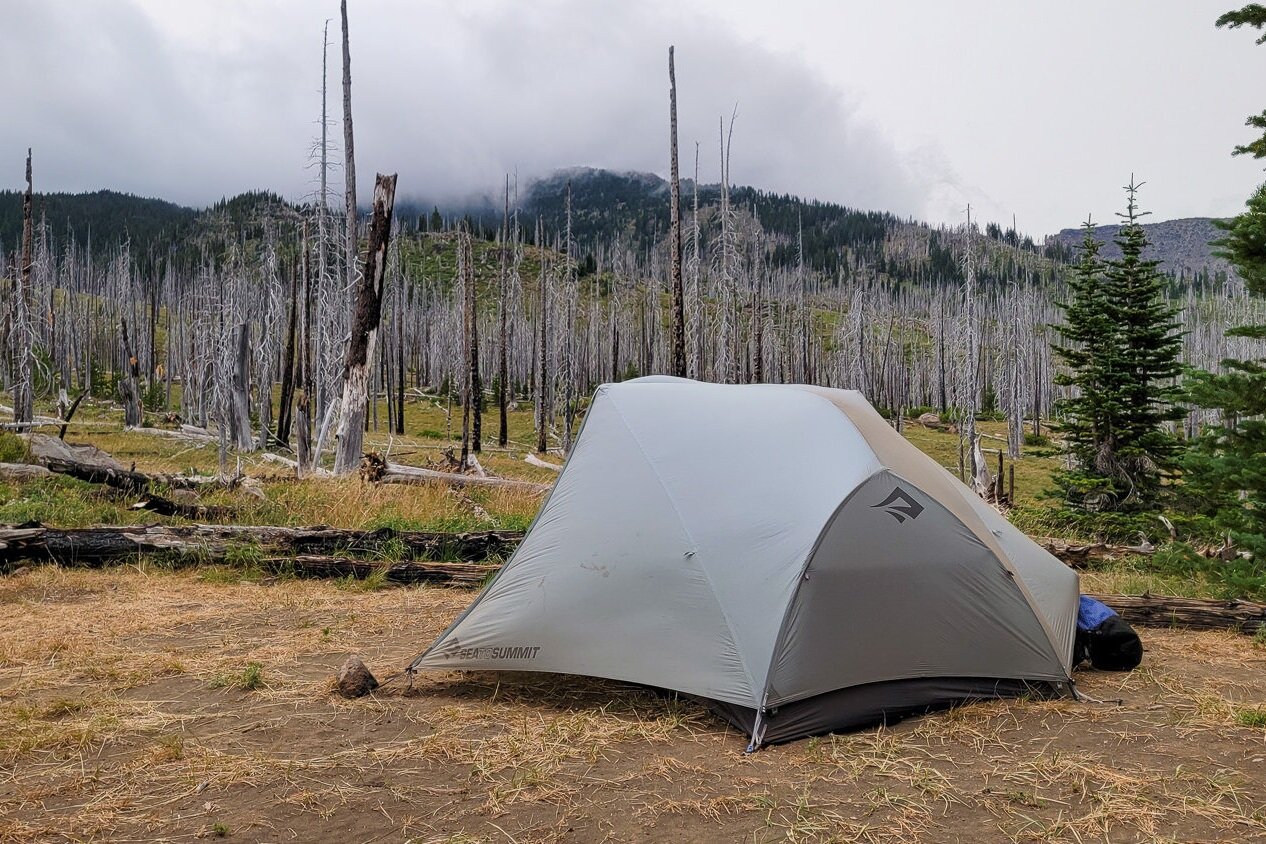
(533, 460)
(1193, 613)
(376, 470)
(192, 511)
(125, 480)
(98, 546)
(406, 572)
(23, 471)
(1083, 555)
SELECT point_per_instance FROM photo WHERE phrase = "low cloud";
(196, 101)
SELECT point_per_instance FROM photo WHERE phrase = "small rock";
(354, 679)
(19, 571)
(930, 420)
(44, 447)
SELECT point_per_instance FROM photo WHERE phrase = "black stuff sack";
(1105, 639)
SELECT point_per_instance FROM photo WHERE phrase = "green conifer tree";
(1145, 366)
(1225, 471)
(1082, 349)
(1121, 347)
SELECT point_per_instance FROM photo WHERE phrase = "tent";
(778, 551)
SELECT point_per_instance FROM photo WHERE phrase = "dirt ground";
(158, 706)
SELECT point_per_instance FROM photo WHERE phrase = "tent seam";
(650, 464)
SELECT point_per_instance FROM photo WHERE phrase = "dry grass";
(349, 503)
(115, 723)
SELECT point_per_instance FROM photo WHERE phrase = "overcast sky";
(1040, 110)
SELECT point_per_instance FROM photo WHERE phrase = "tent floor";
(879, 703)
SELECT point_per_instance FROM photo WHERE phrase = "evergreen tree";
(1252, 15)
(1085, 326)
(1121, 347)
(1225, 472)
(1146, 365)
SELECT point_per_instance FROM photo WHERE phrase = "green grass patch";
(248, 679)
(1254, 718)
(376, 579)
(13, 449)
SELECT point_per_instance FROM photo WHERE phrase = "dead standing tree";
(129, 386)
(542, 367)
(365, 319)
(349, 161)
(674, 210)
(23, 393)
(472, 393)
(503, 388)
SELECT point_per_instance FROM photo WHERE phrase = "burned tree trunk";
(674, 244)
(129, 389)
(365, 319)
(303, 434)
(399, 426)
(288, 361)
(240, 398)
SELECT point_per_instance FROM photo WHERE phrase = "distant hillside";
(153, 228)
(633, 207)
(609, 209)
(1182, 247)
(107, 217)
(607, 206)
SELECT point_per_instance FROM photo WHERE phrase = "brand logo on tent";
(900, 505)
(455, 650)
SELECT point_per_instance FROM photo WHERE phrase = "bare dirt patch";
(153, 706)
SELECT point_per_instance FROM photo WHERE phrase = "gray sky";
(1037, 109)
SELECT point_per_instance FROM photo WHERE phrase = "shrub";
(13, 449)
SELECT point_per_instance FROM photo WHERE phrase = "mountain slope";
(1182, 246)
(107, 217)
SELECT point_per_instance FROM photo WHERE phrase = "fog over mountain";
(914, 110)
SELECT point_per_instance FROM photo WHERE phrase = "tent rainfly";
(778, 551)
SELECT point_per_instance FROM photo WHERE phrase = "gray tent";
(779, 551)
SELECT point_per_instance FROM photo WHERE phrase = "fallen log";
(1082, 555)
(1193, 613)
(376, 470)
(533, 460)
(406, 572)
(125, 480)
(98, 546)
(23, 471)
(316, 472)
(185, 434)
(192, 511)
